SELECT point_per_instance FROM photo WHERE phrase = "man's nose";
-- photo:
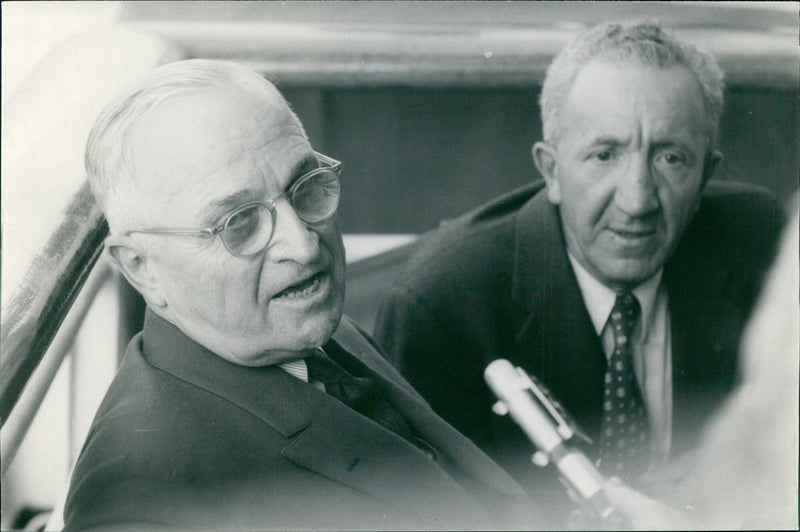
(292, 239)
(635, 193)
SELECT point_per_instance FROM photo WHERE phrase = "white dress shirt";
(296, 368)
(299, 369)
(652, 352)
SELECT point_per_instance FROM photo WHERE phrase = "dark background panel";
(759, 139)
(414, 156)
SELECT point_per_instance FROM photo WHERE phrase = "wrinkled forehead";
(203, 133)
(620, 96)
(193, 150)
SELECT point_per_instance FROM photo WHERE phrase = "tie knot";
(362, 394)
(625, 312)
(323, 369)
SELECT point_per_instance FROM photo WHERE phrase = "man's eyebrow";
(607, 141)
(211, 212)
(302, 166)
(661, 144)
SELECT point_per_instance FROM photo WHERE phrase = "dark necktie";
(360, 394)
(625, 437)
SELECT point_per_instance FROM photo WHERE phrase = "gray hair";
(644, 43)
(108, 160)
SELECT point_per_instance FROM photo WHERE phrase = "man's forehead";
(631, 78)
(206, 147)
(221, 111)
(610, 95)
(206, 131)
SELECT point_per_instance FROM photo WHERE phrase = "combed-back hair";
(643, 43)
(107, 159)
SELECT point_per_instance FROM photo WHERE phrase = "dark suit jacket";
(497, 283)
(184, 438)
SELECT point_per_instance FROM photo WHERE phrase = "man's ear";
(710, 166)
(544, 157)
(132, 261)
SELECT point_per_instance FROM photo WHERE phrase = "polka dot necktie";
(625, 437)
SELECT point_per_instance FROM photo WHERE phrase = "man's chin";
(313, 331)
(276, 342)
(629, 274)
(322, 331)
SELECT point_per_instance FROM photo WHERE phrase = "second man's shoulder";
(474, 241)
(741, 207)
(738, 222)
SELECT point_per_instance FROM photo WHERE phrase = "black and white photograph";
(399, 265)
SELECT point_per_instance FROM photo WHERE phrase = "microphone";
(530, 405)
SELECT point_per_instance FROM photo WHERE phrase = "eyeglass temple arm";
(179, 231)
(335, 165)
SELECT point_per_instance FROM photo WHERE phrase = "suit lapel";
(345, 447)
(354, 345)
(705, 329)
(557, 341)
(457, 455)
(253, 389)
(324, 435)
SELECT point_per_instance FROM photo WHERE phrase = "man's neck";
(599, 297)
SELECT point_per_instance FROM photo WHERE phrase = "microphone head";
(503, 379)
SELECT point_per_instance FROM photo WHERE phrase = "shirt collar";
(296, 368)
(599, 299)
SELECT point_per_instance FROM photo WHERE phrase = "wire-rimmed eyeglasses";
(248, 229)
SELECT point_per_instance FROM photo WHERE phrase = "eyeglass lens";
(316, 197)
(249, 230)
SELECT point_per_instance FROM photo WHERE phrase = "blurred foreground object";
(46, 257)
(744, 473)
(748, 463)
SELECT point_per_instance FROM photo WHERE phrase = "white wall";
(31, 30)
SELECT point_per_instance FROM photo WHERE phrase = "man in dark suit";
(622, 281)
(248, 402)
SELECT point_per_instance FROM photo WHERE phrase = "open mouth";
(302, 289)
(633, 235)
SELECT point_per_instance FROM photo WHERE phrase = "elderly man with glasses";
(247, 401)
